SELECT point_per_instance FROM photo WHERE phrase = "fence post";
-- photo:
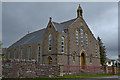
(115, 70)
(106, 69)
(61, 70)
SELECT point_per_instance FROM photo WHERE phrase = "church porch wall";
(62, 59)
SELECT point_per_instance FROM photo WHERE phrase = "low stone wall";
(28, 69)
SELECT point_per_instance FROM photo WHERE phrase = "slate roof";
(29, 38)
(64, 25)
(38, 35)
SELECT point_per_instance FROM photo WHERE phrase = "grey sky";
(102, 19)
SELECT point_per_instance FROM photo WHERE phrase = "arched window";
(77, 37)
(49, 41)
(96, 49)
(15, 54)
(91, 58)
(86, 39)
(81, 32)
(29, 56)
(38, 53)
(62, 44)
(21, 53)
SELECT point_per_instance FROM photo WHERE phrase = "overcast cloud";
(19, 18)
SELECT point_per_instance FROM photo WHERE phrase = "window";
(21, 53)
(38, 53)
(91, 58)
(81, 31)
(29, 57)
(96, 49)
(15, 54)
(77, 37)
(49, 41)
(74, 56)
(86, 39)
(8, 55)
(62, 44)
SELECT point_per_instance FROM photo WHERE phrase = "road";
(99, 78)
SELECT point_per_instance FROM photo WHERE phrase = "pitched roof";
(29, 38)
(64, 25)
(38, 35)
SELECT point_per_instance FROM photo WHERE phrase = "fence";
(76, 69)
(32, 69)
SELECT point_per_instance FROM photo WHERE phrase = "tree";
(0, 47)
(102, 51)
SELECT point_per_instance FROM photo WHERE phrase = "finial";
(79, 5)
(28, 32)
(50, 18)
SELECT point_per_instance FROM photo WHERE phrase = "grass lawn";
(63, 77)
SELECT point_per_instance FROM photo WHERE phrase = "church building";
(66, 43)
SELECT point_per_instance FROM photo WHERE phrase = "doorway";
(82, 60)
(49, 60)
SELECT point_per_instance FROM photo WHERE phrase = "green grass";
(63, 77)
(84, 76)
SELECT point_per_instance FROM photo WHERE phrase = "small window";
(91, 58)
(21, 53)
(29, 57)
(15, 54)
(50, 42)
(38, 53)
(86, 39)
(96, 49)
(62, 44)
(77, 37)
(81, 32)
(74, 56)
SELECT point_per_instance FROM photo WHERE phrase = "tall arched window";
(81, 32)
(29, 56)
(86, 39)
(49, 41)
(77, 37)
(15, 54)
(96, 49)
(21, 53)
(38, 53)
(62, 44)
